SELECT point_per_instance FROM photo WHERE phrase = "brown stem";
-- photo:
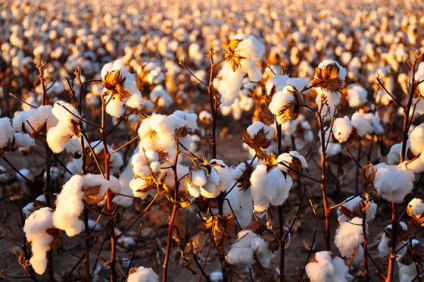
(365, 245)
(322, 183)
(282, 241)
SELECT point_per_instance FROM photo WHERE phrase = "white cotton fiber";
(357, 95)
(416, 138)
(416, 208)
(325, 268)
(349, 236)
(363, 126)
(35, 231)
(342, 128)
(7, 131)
(393, 183)
(142, 274)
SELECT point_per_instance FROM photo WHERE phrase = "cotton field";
(212, 140)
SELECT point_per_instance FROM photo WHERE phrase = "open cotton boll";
(297, 82)
(35, 231)
(416, 208)
(69, 206)
(357, 95)
(416, 138)
(349, 236)
(363, 126)
(282, 186)
(59, 135)
(393, 183)
(259, 185)
(241, 205)
(249, 47)
(7, 131)
(142, 274)
(342, 129)
(190, 118)
(342, 70)
(160, 97)
(281, 101)
(416, 165)
(407, 272)
(224, 173)
(324, 268)
(114, 107)
(258, 126)
(419, 75)
(229, 83)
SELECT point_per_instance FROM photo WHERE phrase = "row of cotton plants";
(325, 110)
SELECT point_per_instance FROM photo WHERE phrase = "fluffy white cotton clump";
(142, 274)
(160, 97)
(242, 53)
(289, 159)
(419, 75)
(248, 247)
(35, 231)
(324, 268)
(342, 129)
(7, 131)
(357, 95)
(67, 126)
(416, 138)
(393, 157)
(269, 187)
(239, 198)
(363, 126)
(416, 208)
(348, 237)
(257, 126)
(34, 120)
(393, 183)
(342, 71)
(208, 180)
(120, 87)
(70, 202)
(283, 103)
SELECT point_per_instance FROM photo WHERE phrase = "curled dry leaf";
(114, 82)
(327, 78)
(231, 56)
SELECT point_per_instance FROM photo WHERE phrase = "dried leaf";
(91, 194)
(199, 242)
(231, 56)
(327, 78)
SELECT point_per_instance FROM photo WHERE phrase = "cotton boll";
(416, 208)
(325, 268)
(384, 245)
(282, 186)
(65, 112)
(35, 231)
(259, 185)
(330, 102)
(249, 47)
(216, 276)
(363, 126)
(7, 131)
(416, 165)
(349, 236)
(416, 138)
(229, 83)
(357, 95)
(224, 174)
(142, 274)
(58, 136)
(69, 206)
(407, 273)
(393, 183)
(114, 107)
(342, 129)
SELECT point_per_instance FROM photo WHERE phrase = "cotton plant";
(36, 229)
(241, 56)
(328, 80)
(325, 266)
(120, 89)
(78, 191)
(248, 248)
